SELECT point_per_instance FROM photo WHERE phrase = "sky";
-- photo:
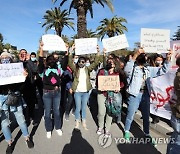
(20, 19)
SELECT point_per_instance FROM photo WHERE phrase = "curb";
(161, 127)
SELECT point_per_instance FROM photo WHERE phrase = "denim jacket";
(137, 78)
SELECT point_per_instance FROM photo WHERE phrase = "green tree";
(111, 27)
(82, 7)
(91, 34)
(176, 36)
(57, 19)
(1, 42)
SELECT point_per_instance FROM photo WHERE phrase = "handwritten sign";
(155, 40)
(11, 73)
(85, 46)
(162, 91)
(53, 43)
(110, 82)
(115, 43)
(175, 45)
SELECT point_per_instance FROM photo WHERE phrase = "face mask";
(87, 64)
(108, 66)
(75, 61)
(158, 63)
(33, 59)
(5, 61)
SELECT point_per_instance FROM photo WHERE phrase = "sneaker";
(48, 135)
(127, 136)
(100, 131)
(76, 125)
(9, 149)
(67, 117)
(107, 134)
(59, 132)
(30, 144)
(151, 140)
(73, 113)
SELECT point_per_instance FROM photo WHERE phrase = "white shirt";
(82, 86)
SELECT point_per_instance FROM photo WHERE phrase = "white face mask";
(158, 63)
(87, 64)
(33, 58)
(75, 61)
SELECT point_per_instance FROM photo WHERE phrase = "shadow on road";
(78, 145)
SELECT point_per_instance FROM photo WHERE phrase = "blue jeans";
(174, 146)
(20, 120)
(143, 99)
(51, 99)
(81, 99)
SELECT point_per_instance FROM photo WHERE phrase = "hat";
(7, 54)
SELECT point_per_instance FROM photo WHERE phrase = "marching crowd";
(71, 79)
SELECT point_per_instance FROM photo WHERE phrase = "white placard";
(85, 46)
(115, 43)
(175, 45)
(53, 43)
(11, 73)
(155, 40)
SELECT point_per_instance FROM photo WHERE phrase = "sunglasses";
(82, 61)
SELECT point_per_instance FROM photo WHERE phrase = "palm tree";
(111, 27)
(82, 7)
(91, 34)
(55, 18)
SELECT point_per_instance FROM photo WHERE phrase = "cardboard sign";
(155, 40)
(85, 46)
(175, 45)
(115, 43)
(53, 43)
(110, 83)
(11, 73)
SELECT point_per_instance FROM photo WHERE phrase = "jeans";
(51, 99)
(143, 99)
(69, 102)
(20, 120)
(102, 111)
(174, 146)
(81, 99)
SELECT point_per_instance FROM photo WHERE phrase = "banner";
(11, 73)
(161, 94)
(175, 46)
(110, 82)
(53, 43)
(115, 43)
(85, 46)
(155, 40)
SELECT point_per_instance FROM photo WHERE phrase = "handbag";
(12, 98)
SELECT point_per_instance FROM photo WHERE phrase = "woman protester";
(51, 75)
(106, 98)
(17, 109)
(81, 85)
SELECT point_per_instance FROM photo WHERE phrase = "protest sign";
(53, 43)
(115, 43)
(161, 94)
(110, 82)
(175, 46)
(85, 46)
(155, 40)
(11, 73)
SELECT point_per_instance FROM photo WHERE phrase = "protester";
(138, 77)
(112, 68)
(51, 73)
(16, 109)
(174, 146)
(81, 85)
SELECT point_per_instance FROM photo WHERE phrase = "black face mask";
(108, 66)
(81, 65)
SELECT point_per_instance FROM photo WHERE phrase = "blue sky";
(19, 19)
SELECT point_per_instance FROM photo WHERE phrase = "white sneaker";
(59, 131)
(48, 135)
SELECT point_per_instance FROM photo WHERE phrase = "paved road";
(82, 142)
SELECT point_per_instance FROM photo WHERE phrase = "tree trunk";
(81, 22)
